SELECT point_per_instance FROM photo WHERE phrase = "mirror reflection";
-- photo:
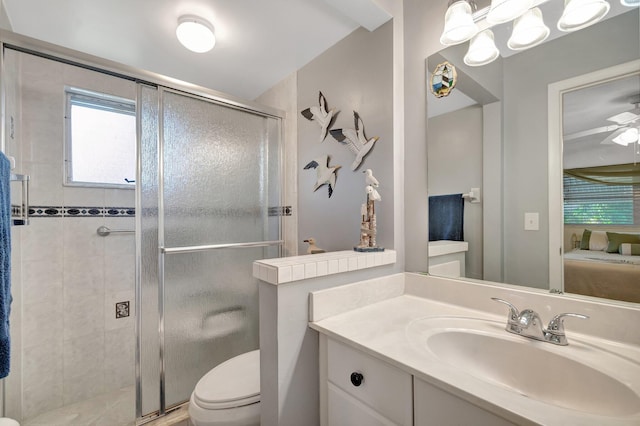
(601, 189)
(491, 134)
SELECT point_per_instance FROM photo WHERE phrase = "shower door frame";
(21, 43)
(163, 250)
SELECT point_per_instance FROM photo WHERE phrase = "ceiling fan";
(624, 131)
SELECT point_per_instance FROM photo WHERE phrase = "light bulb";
(482, 49)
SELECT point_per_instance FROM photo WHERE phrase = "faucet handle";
(556, 325)
(513, 311)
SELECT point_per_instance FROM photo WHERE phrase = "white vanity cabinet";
(359, 390)
(356, 389)
(435, 407)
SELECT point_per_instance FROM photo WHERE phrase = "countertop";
(380, 330)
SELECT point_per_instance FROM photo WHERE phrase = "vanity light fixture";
(630, 3)
(462, 23)
(579, 14)
(505, 10)
(528, 30)
(629, 136)
(195, 33)
(458, 23)
(482, 49)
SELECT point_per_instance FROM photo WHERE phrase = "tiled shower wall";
(72, 347)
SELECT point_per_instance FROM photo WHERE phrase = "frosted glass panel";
(211, 314)
(147, 217)
(220, 176)
(215, 172)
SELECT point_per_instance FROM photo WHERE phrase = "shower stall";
(206, 204)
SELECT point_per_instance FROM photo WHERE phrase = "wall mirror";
(492, 133)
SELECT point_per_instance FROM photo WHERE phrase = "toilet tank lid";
(235, 380)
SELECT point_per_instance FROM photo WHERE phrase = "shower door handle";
(24, 206)
(193, 249)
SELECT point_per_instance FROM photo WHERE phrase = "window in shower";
(100, 140)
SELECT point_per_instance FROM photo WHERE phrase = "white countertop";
(380, 330)
(281, 270)
(442, 247)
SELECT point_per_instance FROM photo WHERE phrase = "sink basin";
(571, 377)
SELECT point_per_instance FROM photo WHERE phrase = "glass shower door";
(218, 176)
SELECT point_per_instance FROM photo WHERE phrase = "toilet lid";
(234, 383)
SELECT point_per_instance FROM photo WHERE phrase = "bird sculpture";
(320, 115)
(355, 139)
(370, 179)
(325, 175)
(313, 248)
(372, 194)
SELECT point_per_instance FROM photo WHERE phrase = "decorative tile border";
(58, 211)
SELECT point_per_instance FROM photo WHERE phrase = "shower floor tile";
(111, 409)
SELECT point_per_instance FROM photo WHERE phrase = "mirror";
(491, 133)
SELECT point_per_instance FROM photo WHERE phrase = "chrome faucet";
(528, 324)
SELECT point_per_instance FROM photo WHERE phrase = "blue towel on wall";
(446, 217)
(5, 264)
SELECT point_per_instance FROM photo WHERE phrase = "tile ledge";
(295, 268)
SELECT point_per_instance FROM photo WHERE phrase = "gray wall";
(354, 75)
(455, 166)
(526, 253)
(423, 22)
(5, 23)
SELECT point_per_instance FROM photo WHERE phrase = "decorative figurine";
(368, 216)
(320, 115)
(355, 140)
(313, 248)
(325, 175)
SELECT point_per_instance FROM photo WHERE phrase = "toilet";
(229, 394)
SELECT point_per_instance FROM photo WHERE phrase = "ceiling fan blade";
(624, 117)
(590, 132)
(609, 139)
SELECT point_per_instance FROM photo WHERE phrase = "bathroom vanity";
(411, 349)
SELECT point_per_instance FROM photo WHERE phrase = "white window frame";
(76, 96)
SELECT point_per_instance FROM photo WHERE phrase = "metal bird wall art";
(355, 139)
(325, 175)
(320, 115)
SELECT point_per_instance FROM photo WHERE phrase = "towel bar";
(103, 231)
(193, 249)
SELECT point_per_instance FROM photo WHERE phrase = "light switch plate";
(531, 222)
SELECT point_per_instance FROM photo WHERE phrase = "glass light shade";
(579, 14)
(528, 30)
(630, 3)
(506, 10)
(458, 24)
(627, 137)
(195, 34)
(482, 49)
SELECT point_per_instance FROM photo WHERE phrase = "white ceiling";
(259, 42)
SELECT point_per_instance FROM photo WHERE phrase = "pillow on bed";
(594, 240)
(616, 239)
(629, 249)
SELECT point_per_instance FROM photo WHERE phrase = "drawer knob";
(357, 378)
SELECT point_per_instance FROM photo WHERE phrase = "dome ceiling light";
(195, 33)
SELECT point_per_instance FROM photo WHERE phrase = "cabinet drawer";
(384, 388)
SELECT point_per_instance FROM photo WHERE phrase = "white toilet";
(229, 394)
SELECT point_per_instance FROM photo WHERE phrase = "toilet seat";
(234, 383)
